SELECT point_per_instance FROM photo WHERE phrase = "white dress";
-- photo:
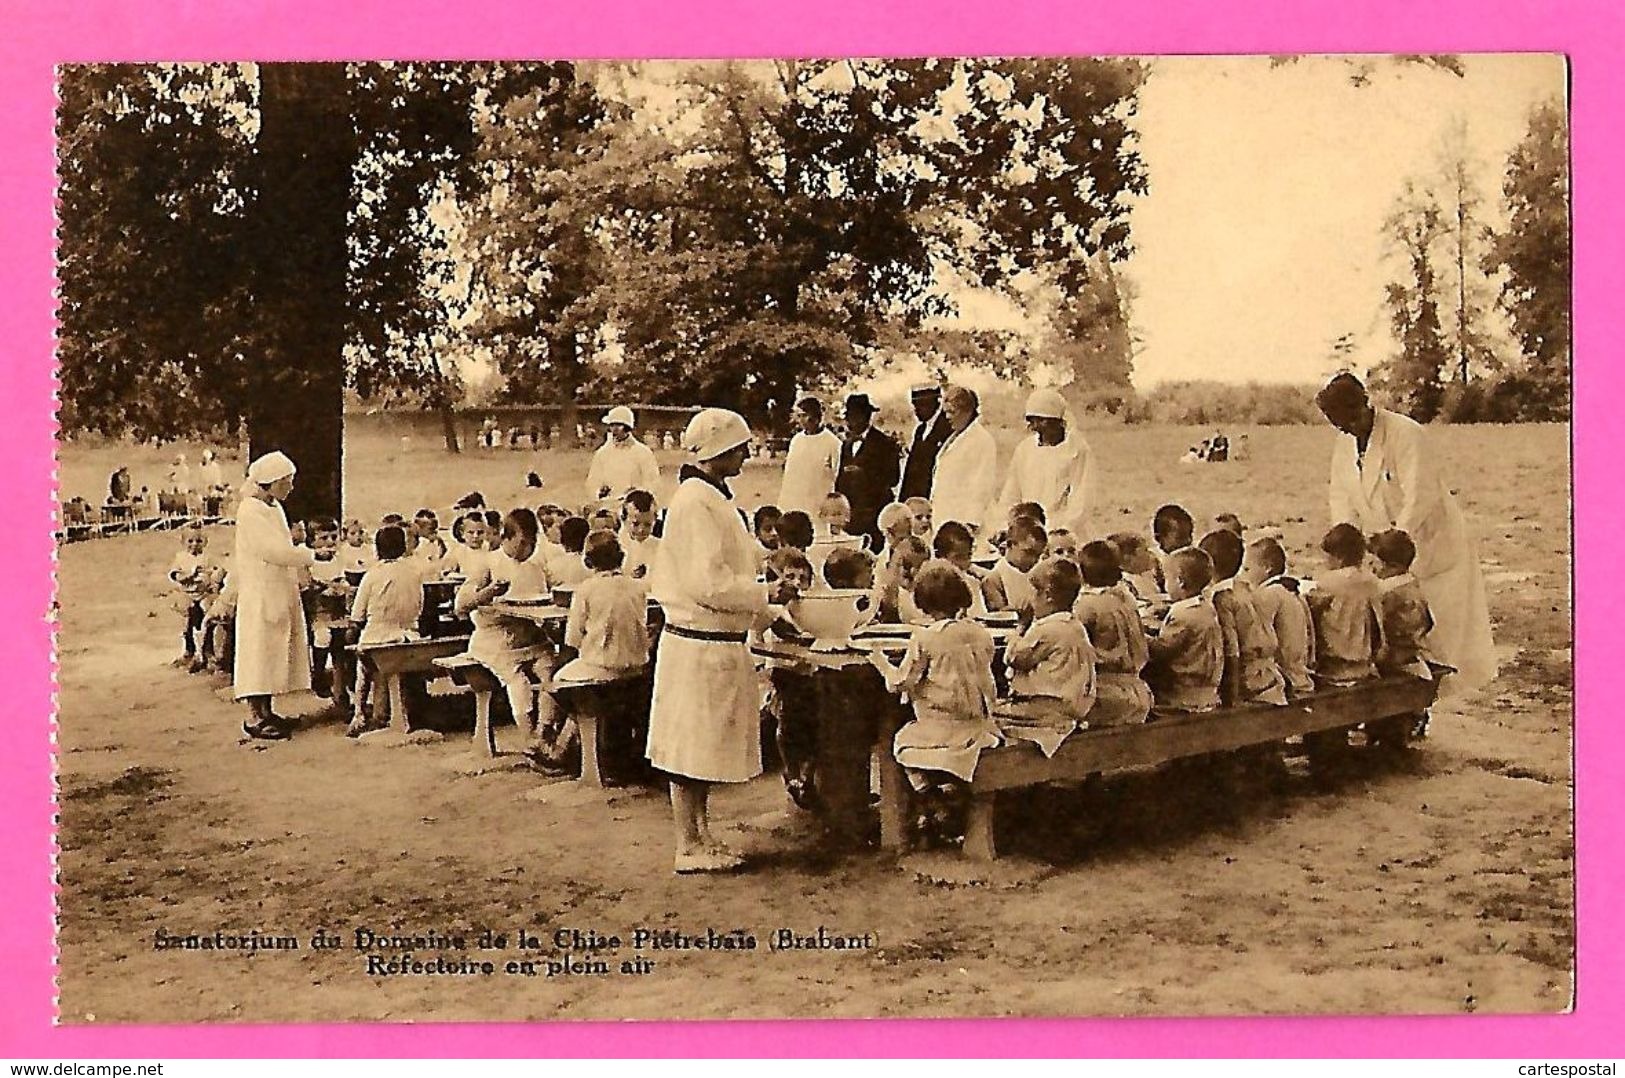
(1054, 476)
(966, 480)
(622, 467)
(272, 650)
(704, 722)
(810, 468)
(1396, 485)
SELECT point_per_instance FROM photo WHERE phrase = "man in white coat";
(272, 648)
(966, 478)
(704, 721)
(622, 464)
(1052, 467)
(1382, 476)
(813, 462)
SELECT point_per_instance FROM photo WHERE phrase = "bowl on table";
(831, 615)
(999, 619)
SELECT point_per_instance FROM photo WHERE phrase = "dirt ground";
(1440, 883)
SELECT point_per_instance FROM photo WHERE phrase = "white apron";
(1397, 486)
(272, 650)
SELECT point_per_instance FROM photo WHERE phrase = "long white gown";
(967, 477)
(272, 650)
(1396, 485)
(1056, 477)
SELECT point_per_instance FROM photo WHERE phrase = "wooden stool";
(593, 705)
(469, 671)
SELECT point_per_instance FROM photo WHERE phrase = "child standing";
(1348, 625)
(1109, 616)
(329, 603)
(1281, 605)
(387, 607)
(1187, 656)
(1251, 674)
(356, 555)
(1006, 586)
(637, 537)
(198, 581)
(1052, 665)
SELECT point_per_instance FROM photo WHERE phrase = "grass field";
(1439, 885)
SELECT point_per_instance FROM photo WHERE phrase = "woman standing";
(704, 723)
(1383, 477)
(273, 650)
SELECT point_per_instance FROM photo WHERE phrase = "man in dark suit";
(869, 465)
(930, 433)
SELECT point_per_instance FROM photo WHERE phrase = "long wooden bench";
(389, 662)
(1019, 764)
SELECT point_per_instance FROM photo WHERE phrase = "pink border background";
(35, 34)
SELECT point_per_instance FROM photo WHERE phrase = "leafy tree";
(1468, 293)
(1414, 378)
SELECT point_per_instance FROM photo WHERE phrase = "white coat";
(622, 467)
(967, 476)
(273, 650)
(1055, 476)
(704, 722)
(1396, 485)
(810, 468)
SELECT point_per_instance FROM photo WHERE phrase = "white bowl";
(831, 614)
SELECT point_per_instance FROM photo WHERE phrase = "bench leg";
(894, 799)
(979, 844)
(397, 705)
(590, 726)
(485, 738)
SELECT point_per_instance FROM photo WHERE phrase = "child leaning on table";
(895, 581)
(955, 545)
(566, 568)
(1280, 603)
(1348, 624)
(1187, 655)
(1052, 665)
(1109, 616)
(1251, 674)
(387, 607)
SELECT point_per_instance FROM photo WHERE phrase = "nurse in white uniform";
(1052, 467)
(704, 723)
(273, 650)
(1382, 477)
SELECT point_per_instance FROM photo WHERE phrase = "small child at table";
(1281, 606)
(765, 526)
(896, 581)
(954, 544)
(356, 556)
(1062, 545)
(473, 547)
(1109, 616)
(834, 516)
(430, 545)
(849, 569)
(1139, 565)
(387, 607)
(507, 646)
(1406, 619)
(637, 536)
(1348, 624)
(1006, 586)
(947, 675)
(602, 519)
(1187, 656)
(1251, 674)
(566, 569)
(1171, 529)
(796, 531)
(921, 508)
(896, 523)
(1051, 665)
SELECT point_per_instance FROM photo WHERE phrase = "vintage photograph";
(945, 537)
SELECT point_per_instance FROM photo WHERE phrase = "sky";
(1260, 239)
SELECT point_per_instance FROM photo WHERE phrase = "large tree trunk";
(304, 157)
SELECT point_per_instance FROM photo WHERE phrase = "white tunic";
(1397, 486)
(1054, 476)
(810, 468)
(704, 722)
(622, 467)
(967, 476)
(273, 651)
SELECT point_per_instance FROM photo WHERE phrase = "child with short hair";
(896, 580)
(765, 526)
(474, 544)
(426, 525)
(796, 531)
(1406, 618)
(834, 515)
(329, 599)
(1187, 655)
(387, 606)
(921, 508)
(567, 569)
(954, 544)
(1348, 624)
(1251, 674)
(1231, 523)
(637, 536)
(511, 647)
(849, 569)
(356, 555)
(1281, 605)
(603, 519)
(1108, 614)
(198, 580)
(1171, 529)
(947, 675)
(1051, 665)
(896, 523)
(1006, 586)
(1139, 566)
(1063, 544)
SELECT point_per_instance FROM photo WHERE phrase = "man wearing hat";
(704, 720)
(929, 435)
(869, 466)
(622, 464)
(1052, 467)
(272, 648)
(811, 465)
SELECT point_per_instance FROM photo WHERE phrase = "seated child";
(954, 544)
(567, 569)
(921, 508)
(329, 600)
(796, 530)
(896, 581)
(1006, 586)
(356, 555)
(1280, 605)
(947, 675)
(473, 548)
(430, 545)
(198, 580)
(765, 525)
(549, 518)
(1348, 626)
(602, 519)
(1110, 618)
(896, 523)
(1172, 529)
(387, 607)
(637, 536)
(834, 516)
(1406, 619)
(296, 529)
(1062, 544)
(1251, 674)
(1187, 656)
(1230, 523)
(1052, 665)
(1139, 565)
(850, 569)
(509, 647)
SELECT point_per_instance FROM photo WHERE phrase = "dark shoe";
(264, 732)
